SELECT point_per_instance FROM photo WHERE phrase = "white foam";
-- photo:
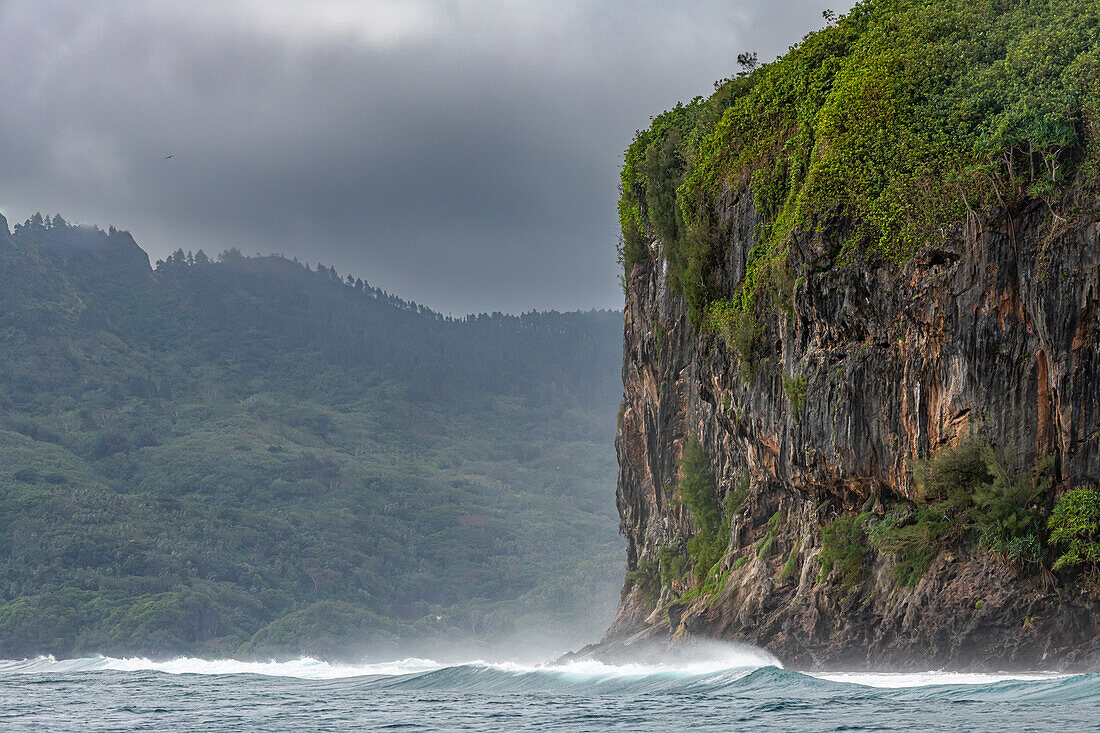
(711, 659)
(303, 668)
(928, 679)
(717, 659)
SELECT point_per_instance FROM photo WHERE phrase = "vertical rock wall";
(994, 334)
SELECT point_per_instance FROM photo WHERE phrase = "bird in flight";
(173, 155)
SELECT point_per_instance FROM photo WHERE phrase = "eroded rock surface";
(995, 334)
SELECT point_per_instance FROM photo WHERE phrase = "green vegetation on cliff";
(703, 553)
(698, 490)
(1075, 529)
(890, 127)
(843, 547)
(966, 496)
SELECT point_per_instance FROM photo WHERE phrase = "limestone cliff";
(995, 333)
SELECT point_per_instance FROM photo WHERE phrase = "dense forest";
(251, 456)
(891, 127)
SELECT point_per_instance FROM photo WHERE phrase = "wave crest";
(738, 671)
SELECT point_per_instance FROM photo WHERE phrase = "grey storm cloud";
(461, 154)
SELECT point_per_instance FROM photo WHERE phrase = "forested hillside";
(251, 456)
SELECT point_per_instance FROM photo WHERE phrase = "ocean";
(739, 691)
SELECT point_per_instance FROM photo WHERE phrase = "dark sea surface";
(741, 691)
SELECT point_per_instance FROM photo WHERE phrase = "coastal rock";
(995, 333)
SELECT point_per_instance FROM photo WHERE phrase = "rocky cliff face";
(995, 334)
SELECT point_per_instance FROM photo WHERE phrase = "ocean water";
(736, 690)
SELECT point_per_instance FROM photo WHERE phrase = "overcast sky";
(463, 154)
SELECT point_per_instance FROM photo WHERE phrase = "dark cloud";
(463, 154)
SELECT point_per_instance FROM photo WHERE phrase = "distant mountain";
(251, 456)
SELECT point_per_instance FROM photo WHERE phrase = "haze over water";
(732, 689)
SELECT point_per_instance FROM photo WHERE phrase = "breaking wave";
(739, 671)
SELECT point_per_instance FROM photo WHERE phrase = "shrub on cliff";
(698, 489)
(844, 547)
(1075, 529)
(739, 331)
(646, 580)
(912, 535)
(673, 564)
(795, 389)
(966, 494)
(1005, 513)
(950, 470)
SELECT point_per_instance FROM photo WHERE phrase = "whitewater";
(737, 689)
